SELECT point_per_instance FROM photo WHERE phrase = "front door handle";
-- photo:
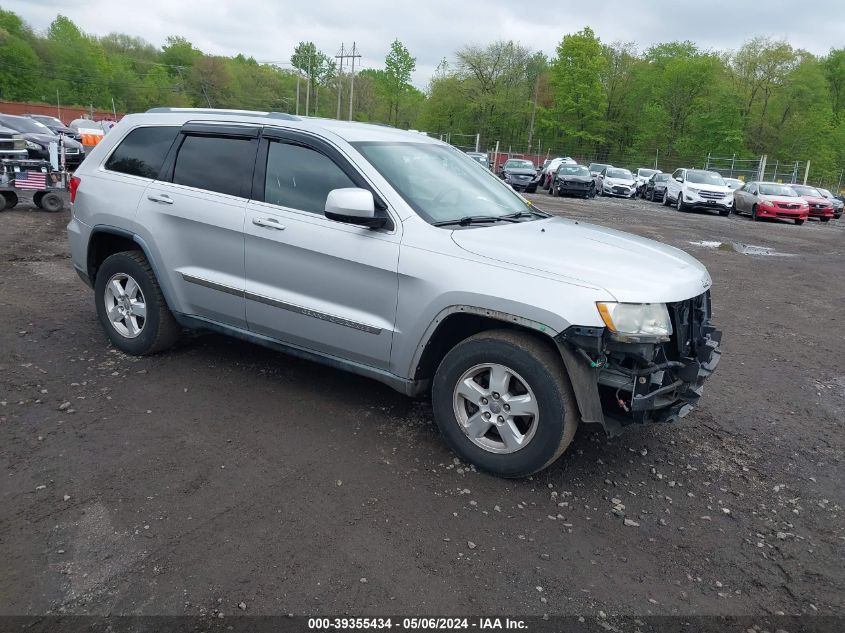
(161, 198)
(268, 223)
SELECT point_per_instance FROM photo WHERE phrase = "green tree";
(580, 100)
(398, 67)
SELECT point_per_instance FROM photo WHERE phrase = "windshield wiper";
(528, 214)
(476, 219)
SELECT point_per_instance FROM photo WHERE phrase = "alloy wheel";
(125, 305)
(495, 408)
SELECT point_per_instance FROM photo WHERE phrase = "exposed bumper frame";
(617, 383)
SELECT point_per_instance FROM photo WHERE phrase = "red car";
(820, 207)
(771, 200)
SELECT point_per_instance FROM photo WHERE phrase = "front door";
(312, 282)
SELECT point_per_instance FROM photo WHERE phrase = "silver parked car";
(391, 255)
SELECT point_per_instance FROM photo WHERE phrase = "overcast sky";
(268, 30)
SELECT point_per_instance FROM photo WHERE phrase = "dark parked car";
(655, 187)
(56, 126)
(520, 174)
(38, 138)
(836, 202)
(573, 180)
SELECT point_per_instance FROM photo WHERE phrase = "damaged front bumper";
(618, 383)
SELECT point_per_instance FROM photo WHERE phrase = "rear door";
(310, 281)
(193, 217)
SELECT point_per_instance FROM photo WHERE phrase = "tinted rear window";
(142, 152)
(213, 163)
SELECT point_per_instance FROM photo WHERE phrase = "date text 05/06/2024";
(415, 624)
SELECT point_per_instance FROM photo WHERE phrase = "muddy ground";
(222, 474)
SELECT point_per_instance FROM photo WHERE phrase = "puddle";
(739, 247)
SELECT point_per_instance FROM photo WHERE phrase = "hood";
(521, 171)
(631, 268)
(46, 139)
(574, 178)
(628, 182)
(814, 200)
(724, 189)
(784, 199)
(7, 133)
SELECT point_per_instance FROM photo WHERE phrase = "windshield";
(661, 177)
(597, 167)
(804, 190)
(825, 193)
(440, 183)
(623, 174)
(22, 124)
(48, 120)
(768, 189)
(646, 173)
(573, 170)
(519, 164)
(705, 178)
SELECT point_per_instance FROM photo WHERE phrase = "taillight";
(74, 185)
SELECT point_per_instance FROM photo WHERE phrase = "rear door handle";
(268, 223)
(161, 198)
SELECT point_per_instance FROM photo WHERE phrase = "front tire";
(666, 198)
(503, 401)
(799, 222)
(825, 219)
(131, 306)
(679, 205)
(754, 213)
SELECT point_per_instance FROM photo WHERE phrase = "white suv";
(698, 189)
(390, 255)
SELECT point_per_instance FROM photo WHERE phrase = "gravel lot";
(222, 473)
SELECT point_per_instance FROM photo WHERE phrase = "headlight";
(636, 320)
(31, 145)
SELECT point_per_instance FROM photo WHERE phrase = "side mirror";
(353, 206)
(679, 179)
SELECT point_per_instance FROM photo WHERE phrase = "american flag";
(31, 180)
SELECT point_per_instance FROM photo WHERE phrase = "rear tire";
(51, 202)
(531, 376)
(9, 200)
(134, 334)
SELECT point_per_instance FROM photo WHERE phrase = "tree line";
(673, 101)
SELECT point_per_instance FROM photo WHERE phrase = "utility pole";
(533, 112)
(308, 86)
(352, 77)
(339, 78)
(58, 104)
(297, 92)
(807, 172)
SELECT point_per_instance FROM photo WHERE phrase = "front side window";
(216, 163)
(142, 152)
(439, 182)
(301, 178)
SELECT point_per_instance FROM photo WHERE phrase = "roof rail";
(269, 115)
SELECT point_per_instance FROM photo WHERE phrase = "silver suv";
(391, 255)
